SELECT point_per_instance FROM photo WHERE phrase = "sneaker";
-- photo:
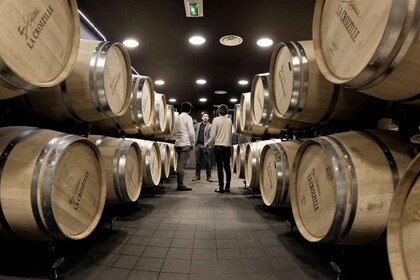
(196, 178)
(210, 179)
(218, 191)
(227, 190)
(183, 189)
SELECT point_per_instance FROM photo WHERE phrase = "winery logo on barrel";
(314, 188)
(78, 191)
(346, 19)
(32, 27)
(352, 4)
(270, 174)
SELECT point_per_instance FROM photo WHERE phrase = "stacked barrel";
(55, 185)
(355, 184)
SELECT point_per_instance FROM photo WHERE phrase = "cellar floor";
(192, 235)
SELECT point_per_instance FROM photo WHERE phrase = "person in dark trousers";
(203, 147)
(184, 142)
(221, 135)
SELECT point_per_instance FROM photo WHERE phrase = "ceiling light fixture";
(264, 42)
(233, 100)
(231, 40)
(220, 91)
(131, 43)
(243, 82)
(159, 82)
(197, 40)
(172, 100)
(202, 99)
(201, 81)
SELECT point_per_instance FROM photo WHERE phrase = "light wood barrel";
(252, 163)
(301, 93)
(97, 88)
(169, 123)
(165, 156)
(245, 117)
(237, 121)
(39, 41)
(123, 166)
(160, 113)
(260, 99)
(53, 184)
(233, 158)
(342, 185)
(240, 160)
(276, 162)
(151, 160)
(372, 46)
(404, 225)
(174, 157)
(140, 113)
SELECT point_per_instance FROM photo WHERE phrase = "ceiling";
(163, 30)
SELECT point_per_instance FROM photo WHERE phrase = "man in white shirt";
(184, 142)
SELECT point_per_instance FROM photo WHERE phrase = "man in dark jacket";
(203, 147)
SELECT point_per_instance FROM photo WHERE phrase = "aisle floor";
(195, 235)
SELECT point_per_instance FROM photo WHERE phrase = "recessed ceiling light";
(130, 43)
(202, 99)
(159, 82)
(264, 42)
(220, 91)
(243, 82)
(172, 100)
(197, 40)
(201, 81)
(231, 40)
(233, 100)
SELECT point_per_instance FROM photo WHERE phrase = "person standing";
(203, 147)
(221, 135)
(184, 141)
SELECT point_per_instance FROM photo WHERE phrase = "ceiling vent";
(193, 8)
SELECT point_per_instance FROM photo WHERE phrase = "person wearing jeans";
(203, 147)
(221, 135)
(184, 141)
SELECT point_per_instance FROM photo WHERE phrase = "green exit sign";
(193, 8)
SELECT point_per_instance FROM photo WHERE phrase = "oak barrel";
(342, 185)
(39, 41)
(123, 166)
(240, 160)
(371, 46)
(97, 88)
(404, 225)
(301, 93)
(151, 159)
(237, 120)
(165, 155)
(140, 113)
(260, 99)
(275, 167)
(57, 180)
(246, 122)
(174, 157)
(252, 162)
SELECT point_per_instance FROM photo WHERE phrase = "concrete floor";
(193, 235)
